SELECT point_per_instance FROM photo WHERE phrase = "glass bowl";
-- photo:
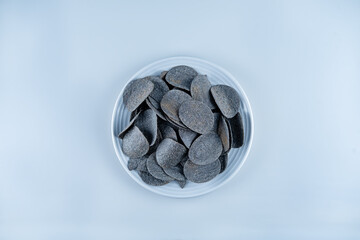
(237, 157)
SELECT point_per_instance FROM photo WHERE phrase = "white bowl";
(237, 157)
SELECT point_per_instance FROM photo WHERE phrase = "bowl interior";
(237, 157)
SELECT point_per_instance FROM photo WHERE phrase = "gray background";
(62, 65)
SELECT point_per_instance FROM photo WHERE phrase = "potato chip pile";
(181, 127)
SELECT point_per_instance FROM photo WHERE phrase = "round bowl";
(237, 157)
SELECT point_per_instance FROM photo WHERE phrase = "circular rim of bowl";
(232, 175)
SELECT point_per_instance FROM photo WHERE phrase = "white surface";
(63, 64)
(237, 156)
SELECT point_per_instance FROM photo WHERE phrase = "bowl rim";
(251, 129)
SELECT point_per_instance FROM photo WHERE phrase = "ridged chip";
(197, 116)
(200, 91)
(181, 76)
(227, 99)
(134, 143)
(205, 149)
(201, 173)
(136, 92)
(169, 153)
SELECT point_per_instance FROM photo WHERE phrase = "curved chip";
(133, 163)
(200, 91)
(150, 180)
(197, 116)
(181, 76)
(134, 143)
(171, 103)
(205, 149)
(142, 164)
(237, 131)
(158, 112)
(169, 153)
(217, 117)
(160, 88)
(224, 134)
(126, 129)
(163, 74)
(147, 123)
(175, 172)
(187, 136)
(227, 99)
(201, 173)
(174, 123)
(181, 183)
(155, 170)
(136, 92)
(168, 132)
(223, 161)
(155, 103)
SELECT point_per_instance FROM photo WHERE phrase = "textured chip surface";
(142, 164)
(171, 103)
(134, 143)
(133, 163)
(158, 112)
(175, 172)
(155, 170)
(181, 76)
(227, 99)
(167, 132)
(136, 92)
(149, 179)
(187, 136)
(160, 88)
(147, 124)
(237, 131)
(201, 173)
(197, 116)
(205, 149)
(169, 153)
(200, 91)
(181, 183)
(126, 129)
(224, 134)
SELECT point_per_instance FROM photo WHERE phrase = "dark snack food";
(206, 149)
(181, 77)
(200, 90)
(201, 173)
(227, 99)
(181, 127)
(197, 116)
(136, 92)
